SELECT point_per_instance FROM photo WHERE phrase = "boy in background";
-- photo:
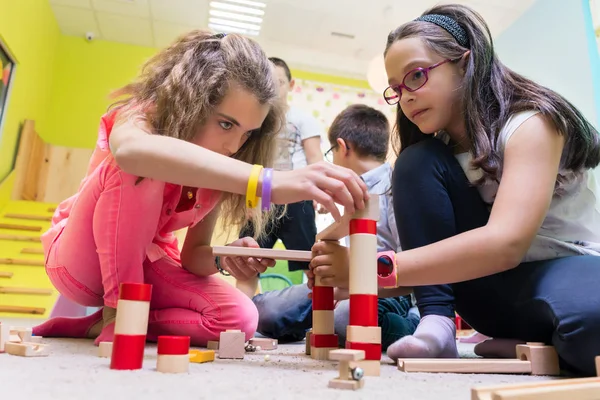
(359, 138)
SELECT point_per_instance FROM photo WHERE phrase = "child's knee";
(247, 317)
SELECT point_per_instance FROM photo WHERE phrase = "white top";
(572, 225)
(290, 151)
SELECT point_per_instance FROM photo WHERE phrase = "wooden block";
(21, 227)
(264, 343)
(580, 391)
(22, 310)
(20, 334)
(323, 322)
(232, 345)
(18, 238)
(105, 349)
(202, 356)
(16, 261)
(307, 341)
(173, 363)
(36, 339)
(27, 349)
(598, 365)
(320, 353)
(465, 366)
(29, 217)
(274, 254)
(346, 355)
(371, 210)
(4, 335)
(488, 392)
(543, 359)
(341, 229)
(370, 367)
(6, 274)
(346, 384)
(28, 250)
(363, 334)
(212, 345)
(19, 290)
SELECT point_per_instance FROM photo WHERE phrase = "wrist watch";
(387, 277)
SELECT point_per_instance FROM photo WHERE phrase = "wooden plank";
(6, 274)
(274, 254)
(486, 392)
(28, 250)
(62, 172)
(579, 391)
(22, 310)
(465, 366)
(21, 290)
(16, 261)
(28, 217)
(21, 227)
(19, 238)
(51, 209)
(25, 152)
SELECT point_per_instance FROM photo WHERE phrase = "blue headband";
(450, 25)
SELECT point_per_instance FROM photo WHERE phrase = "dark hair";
(491, 93)
(278, 62)
(364, 127)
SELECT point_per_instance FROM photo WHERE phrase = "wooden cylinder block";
(363, 264)
(173, 364)
(132, 317)
(323, 322)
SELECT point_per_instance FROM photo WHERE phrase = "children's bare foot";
(498, 348)
(435, 337)
(80, 327)
(107, 333)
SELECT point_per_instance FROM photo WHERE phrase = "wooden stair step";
(21, 227)
(16, 261)
(22, 310)
(29, 217)
(19, 238)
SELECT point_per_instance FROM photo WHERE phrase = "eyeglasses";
(329, 153)
(413, 81)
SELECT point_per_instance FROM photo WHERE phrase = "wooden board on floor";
(465, 366)
(579, 389)
(275, 254)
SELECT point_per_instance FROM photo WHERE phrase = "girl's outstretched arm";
(531, 162)
(167, 159)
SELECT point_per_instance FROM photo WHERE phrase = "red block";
(324, 340)
(372, 351)
(173, 345)
(363, 226)
(128, 352)
(135, 291)
(322, 298)
(363, 309)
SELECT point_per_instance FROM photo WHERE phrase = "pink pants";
(104, 243)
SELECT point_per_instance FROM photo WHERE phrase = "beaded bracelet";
(266, 189)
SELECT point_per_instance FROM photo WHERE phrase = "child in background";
(178, 151)
(359, 138)
(496, 196)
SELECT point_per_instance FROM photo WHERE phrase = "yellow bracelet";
(251, 197)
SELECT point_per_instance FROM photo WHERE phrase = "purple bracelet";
(266, 189)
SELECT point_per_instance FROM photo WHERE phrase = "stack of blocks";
(131, 326)
(350, 376)
(173, 354)
(20, 342)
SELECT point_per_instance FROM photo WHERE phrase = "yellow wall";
(85, 75)
(29, 30)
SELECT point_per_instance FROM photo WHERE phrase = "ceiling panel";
(185, 12)
(75, 21)
(133, 8)
(73, 3)
(165, 33)
(125, 29)
(292, 24)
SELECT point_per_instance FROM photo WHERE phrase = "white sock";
(435, 337)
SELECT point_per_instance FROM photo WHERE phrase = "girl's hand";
(324, 182)
(244, 268)
(331, 264)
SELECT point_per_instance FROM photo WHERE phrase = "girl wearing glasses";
(496, 198)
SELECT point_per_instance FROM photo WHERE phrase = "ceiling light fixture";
(233, 7)
(235, 16)
(231, 29)
(244, 17)
(235, 24)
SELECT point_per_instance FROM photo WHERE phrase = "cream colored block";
(363, 264)
(543, 359)
(323, 322)
(132, 317)
(173, 363)
(264, 343)
(346, 355)
(20, 334)
(320, 353)
(105, 349)
(370, 367)
(557, 387)
(27, 349)
(346, 384)
(36, 339)
(363, 334)
(371, 210)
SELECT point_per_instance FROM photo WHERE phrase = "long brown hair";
(180, 87)
(491, 93)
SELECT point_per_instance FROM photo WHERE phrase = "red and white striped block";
(363, 332)
(323, 337)
(173, 354)
(131, 326)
